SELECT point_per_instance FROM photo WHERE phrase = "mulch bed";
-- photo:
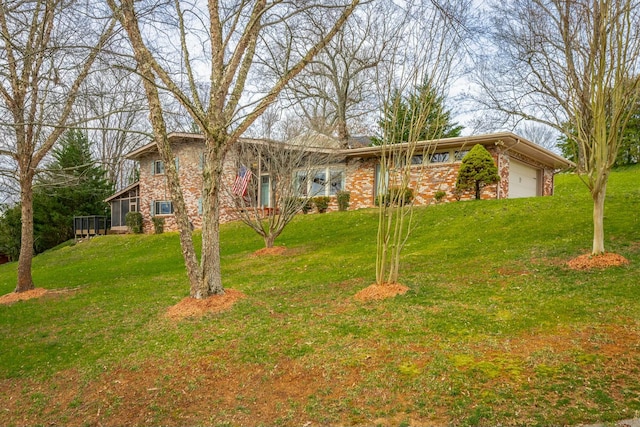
(276, 250)
(22, 296)
(380, 292)
(589, 261)
(191, 307)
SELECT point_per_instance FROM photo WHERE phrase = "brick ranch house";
(526, 170)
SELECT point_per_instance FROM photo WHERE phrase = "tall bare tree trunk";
(220, 116)
(343, 130)
(599, 196)
(25, 280)
(210, 261)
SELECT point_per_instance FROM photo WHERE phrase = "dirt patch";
(605, 260)
(380, 292)
(191, 307)
(22, 296)
(276, 250)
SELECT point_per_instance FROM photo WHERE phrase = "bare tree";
(338, 86)
(278, 179)
(221, 42)
(574, 66)
(114, 99)
(539, 133)
(426, 57)
(48, 48)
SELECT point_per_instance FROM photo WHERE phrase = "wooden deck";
(89, 226)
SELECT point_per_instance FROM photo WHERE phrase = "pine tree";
(424, 105)
(477, 170)
(73, 186)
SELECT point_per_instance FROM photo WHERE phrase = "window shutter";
(201, 161)
(200, 206)
(177, 162)
(153, 208)
(153, 167)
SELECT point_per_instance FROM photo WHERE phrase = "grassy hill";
(494, 330)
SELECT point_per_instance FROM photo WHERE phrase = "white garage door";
(523, 180)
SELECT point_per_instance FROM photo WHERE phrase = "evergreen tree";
(72, 186)
(477, 170)
(10, 232)
(401, 113)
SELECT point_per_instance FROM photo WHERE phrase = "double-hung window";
(336, 181)
(157, 167)
(318, 183)
(161, 207)
(301, 183)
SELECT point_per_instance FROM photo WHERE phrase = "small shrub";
(457, 193)
(307, 205)
(477, 170)
(133, 221)
(322, 203)
(158, 224)
(396, 195)
(439, 195)
(343, 200)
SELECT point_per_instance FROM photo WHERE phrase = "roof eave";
(121, 192)
(509, 140)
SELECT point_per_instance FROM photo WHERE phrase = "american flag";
(242, 180)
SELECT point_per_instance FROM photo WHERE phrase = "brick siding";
(426, 180)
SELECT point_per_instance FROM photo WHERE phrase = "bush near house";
(133, 220)
(343, 198)
(307, 206)
(158, 224)
(396, 195)
(322, 203)
(477, 171)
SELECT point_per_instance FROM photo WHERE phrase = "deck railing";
(89, 226)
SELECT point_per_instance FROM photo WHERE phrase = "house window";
(439, 157)
(318, 183)
(418, 159)
(336, 181)
(157, 167)
(162, 207)
(321, 182)
(381, 181)
(460, 155)
(301, 183)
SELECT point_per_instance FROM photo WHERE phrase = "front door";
(265, 191)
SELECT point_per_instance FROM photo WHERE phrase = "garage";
(523, 180)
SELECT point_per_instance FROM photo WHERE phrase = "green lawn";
(494, 330)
